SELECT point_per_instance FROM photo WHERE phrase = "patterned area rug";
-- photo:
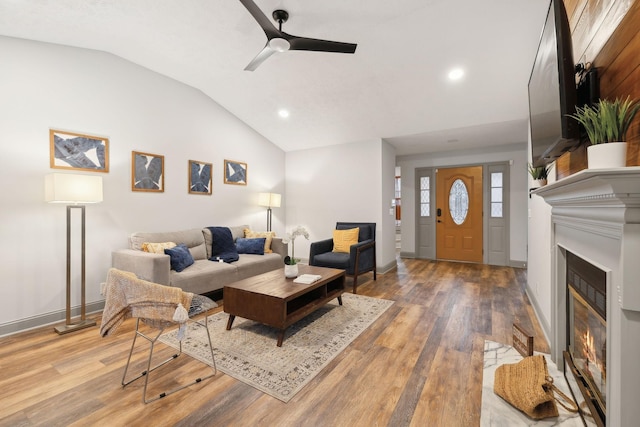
(248, 352)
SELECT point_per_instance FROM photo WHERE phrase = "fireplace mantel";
(595, 214)
(604, 202)
(596, 188)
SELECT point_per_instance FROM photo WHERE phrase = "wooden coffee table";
(274, 300)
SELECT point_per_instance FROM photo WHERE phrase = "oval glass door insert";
(458, 201)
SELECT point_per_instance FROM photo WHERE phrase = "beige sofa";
(204, 275)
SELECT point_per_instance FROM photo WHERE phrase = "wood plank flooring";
(420, 364)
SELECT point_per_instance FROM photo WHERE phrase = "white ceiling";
(394, 87)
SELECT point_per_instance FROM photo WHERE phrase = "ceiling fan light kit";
(279, 41)
(279, 45)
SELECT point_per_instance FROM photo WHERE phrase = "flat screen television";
(552, 90)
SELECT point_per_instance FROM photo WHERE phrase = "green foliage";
(540, 172)
(607, 121)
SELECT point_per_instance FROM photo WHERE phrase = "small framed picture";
(235, 172)
(147, 172)
(77, 151)
(200, 177)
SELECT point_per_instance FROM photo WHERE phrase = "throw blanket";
(127, 296)
(223, 247)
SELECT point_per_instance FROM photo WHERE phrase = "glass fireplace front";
(587, 326)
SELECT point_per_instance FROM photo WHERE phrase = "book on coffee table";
(307, 279)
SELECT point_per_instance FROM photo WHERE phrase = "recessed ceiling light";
(456, 74)
(283, 113)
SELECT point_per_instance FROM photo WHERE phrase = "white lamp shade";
(271, 200)
(72, 188)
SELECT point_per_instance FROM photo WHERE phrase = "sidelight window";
(497, 190)
(425, 197)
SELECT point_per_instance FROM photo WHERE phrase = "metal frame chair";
(152, 342)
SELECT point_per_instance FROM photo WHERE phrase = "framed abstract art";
(235, 172)
(147, 172)
(77, 151)
(200, 177)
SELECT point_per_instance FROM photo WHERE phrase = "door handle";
(439, 221)
(438, 212)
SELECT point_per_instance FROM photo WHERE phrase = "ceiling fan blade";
(260, 58)
(305, 43)
(267, 26)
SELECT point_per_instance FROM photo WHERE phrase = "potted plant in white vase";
(606, 124)
(539, 175)
(291, 263)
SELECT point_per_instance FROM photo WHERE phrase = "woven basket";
(527, 386)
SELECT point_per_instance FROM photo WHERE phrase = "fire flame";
(589, 347)
(593, 365)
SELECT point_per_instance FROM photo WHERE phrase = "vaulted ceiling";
(394, 87)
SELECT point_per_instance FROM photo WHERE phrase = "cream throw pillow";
(268, 235)
(343, 239)
(157, 248)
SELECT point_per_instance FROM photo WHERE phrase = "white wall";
(539, 262)
(539, 256)
(342, 183)
(45, 86)
(387, 250)
(518, 194)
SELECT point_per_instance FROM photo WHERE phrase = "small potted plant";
(539, 175)
(291, 263)
(606, 124)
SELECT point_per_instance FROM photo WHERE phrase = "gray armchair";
(360, 259)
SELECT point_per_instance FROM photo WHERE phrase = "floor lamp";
(270, 200)
(76, 191)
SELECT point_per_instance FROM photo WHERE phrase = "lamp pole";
(83, 323)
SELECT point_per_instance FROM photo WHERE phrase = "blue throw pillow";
(180, 257)
(253, 246)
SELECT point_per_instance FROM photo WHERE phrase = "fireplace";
(586, 355)
(595, 314)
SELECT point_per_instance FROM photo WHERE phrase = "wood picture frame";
(78, 151)
(147, 172)
(235, 173)
(200, 177)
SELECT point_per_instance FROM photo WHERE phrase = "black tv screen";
(552, 90)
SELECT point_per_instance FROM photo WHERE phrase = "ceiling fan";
(279, 41)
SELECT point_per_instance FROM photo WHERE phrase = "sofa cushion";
(205, 276)
(250, 246)
(180, 257)
(251, 265)
(268, 235)
(222, 245)
(343, 239)
(193, 239)
(332, 260)
(238, 231)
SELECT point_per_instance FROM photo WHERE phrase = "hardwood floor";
(419, 364)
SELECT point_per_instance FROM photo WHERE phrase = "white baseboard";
(38, 321)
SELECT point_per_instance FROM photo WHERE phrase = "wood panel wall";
(607, 34)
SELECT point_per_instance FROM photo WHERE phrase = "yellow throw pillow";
(157, 248)
(343, 239)
(268, 235)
